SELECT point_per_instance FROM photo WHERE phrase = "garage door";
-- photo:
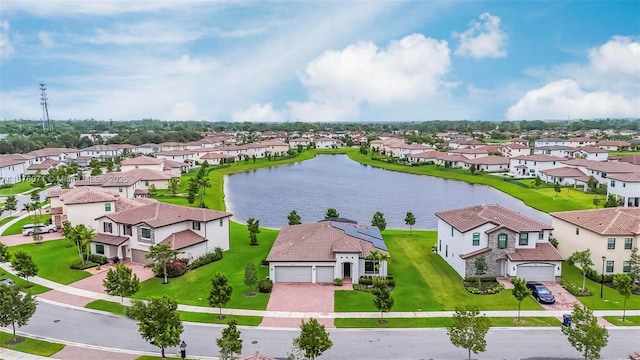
(138, 256)
(293, 274)
(536, 273)
(324, 274)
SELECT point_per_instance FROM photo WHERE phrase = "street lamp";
(604, 258)
(183, 350)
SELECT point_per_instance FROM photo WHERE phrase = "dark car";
(541, 292)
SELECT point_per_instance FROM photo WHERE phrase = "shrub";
(360, 287)
(574, 289)
(6, 186)
(175, 268)
(473, 290)
(495, 289)
(77, 265)
(366, 280)
(390, 282)
(206, 259)
(115, 260)
(265, 286)
(475, 279)
(98, 259)
(337, 282)
(264, 262)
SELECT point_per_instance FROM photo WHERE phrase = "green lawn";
(193, 287)
(108, 306)
(611, 300)
(438, 322)
(6, 220)
(34, 289)
(53, 259)
(17, 227)
(17, 188)
(30, 346)
(628, 320)
(424, 281)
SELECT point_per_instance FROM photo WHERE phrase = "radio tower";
(46, 122)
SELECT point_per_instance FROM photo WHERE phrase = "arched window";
(502, 241)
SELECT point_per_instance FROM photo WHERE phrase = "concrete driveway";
(564, 299)
(19, 239)
(94, 282)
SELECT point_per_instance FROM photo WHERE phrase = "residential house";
(323, 251)
(513, 245)
(172, 145)
(327, 143)
(294, 143)
(124, 185)
(12, 170)
(213, 158)
(58, 154)
(128, 234)
(149, 148)
(553, 150)
(175, 167)
(275, 147)
(578, 142)
(613, 145)
(589, 153)
(566, 176)
(466, 144)
(401, 150)
(184, 156)
(550, 142)
(142, 162)
(148, 178)
(81, 205)
(469, 153)
(602, 170)
(515, 149)
(490, 163)
(44, 166)
(625, 186)
(101, 151)
(531, 165)
(610, 234)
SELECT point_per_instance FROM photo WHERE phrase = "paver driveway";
(94, 282)
(564, 299)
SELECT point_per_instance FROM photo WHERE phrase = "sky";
(326, 61)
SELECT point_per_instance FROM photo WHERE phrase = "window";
(145, 233)
(146, 183)
(541, 235)
(126, 229)
(446, 251)
(611, 243)
(107, 207)
(524, 239)
(626, 266)
(440, 245)
(452, 231)
(476, 239)
(370, 266)
(195, 225)
(107, 227)
(502, 241)
(609, 267)
(628, 243)
(221, 222)
(613, 183)
(577, 231)
(119, 188)
(100, 249)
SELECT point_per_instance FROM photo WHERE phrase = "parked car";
(541, 292)
(29, 229)
(8, 282)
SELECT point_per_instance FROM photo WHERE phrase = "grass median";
(30, 345)
(628, 320)
(440, 322)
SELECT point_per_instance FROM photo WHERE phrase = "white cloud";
(144, 33)
(322, 110)
(6, 48)
(184, 110)
(45, 39)
(483, 39)
(607, 86)
(99, 7)
(258, 113)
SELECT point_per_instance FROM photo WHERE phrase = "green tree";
(193, 188)
(634, 264)
(331, 213)
(364, 149)
(11, 204)
(294, 218)
(379, 221)
(5, 256)
(95, 171)
(174, 185)
(557, 189)
(204, 184)
(158, 321)
(585, 335)
(612, 201)
(15, 308)
(583, 260)
(220, 293)
(313, 340)
(108, 164)
(152, 190)
(121, 281)
(161, 254)
(537, 182)
(623, 284)
(520, 291)
(592, 183)
(596, 201)
(253, 226)
(250, 276)
(480, 264)
(230, 342)
(469, 329)
(383, 301)
(23, 265)
(473, 169)
(410, 220)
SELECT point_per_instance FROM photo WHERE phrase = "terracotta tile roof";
(109, 179)
(86, 195)
(110, 239)
(175, 153)
(564, 172)
(123, 203)
(170, 164)
(318, 242)
(474, 253)
(469, 218)
(607, 221)
(555, 147)
(481, 150)
(490, 160)
(618, 143)
(45, 165)
(592, 149)
(542, 252)
(142, 160)
(470, 142)
(52, 152)
(140, 191)
(516, 146)
(539, 157)
(628, 177)
(157, 214)
(10, 162)
(183, 239)
(56, 192)
(632, 159)
(148, 174)
(215, 156)
(604, 166)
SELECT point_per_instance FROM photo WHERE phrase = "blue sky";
(320, 61)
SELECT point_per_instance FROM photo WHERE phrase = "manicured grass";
(628, 320)
(193, 288)
(424, 281)
(17, 227)
(439, 322)
(613, 153)
(53, 259)
(34, 289)
(108, 306)
(30, 346)
(17, 188)
(611, 300)
(6, 220)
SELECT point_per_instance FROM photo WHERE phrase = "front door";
(346, 270)
(124, 253)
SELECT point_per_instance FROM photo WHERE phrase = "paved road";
(74, 325)
(23, 199)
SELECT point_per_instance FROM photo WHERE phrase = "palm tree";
(174, 185)
(375, 256)
(205, 183)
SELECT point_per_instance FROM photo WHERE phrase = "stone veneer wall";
(142, 240)
(494, 254)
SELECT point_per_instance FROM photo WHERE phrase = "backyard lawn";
(193, 287)
(17, 227)
(53, 259)
(439, 322)
(611, 300)
(17, 188)
(424, 281)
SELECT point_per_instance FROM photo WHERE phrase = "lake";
(357, 191)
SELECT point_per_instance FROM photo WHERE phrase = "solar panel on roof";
(369, 234)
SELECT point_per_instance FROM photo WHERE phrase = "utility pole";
(46, 122)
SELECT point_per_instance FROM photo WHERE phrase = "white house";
(550, 142)
(609, 233)
(323, 251)
(124, 185)
(513, 245)
(149, 148)
(579, 142)
(327, 143)
(100, 151)
(44, 166)
(490, 163)
(554, 150)
(183, 156)
(58, 154)
(11, 170)
(81, 205)
(531, 165)
(469, 153)
(128, 234)
(142, 162)
(627, 187)
(294, 143)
